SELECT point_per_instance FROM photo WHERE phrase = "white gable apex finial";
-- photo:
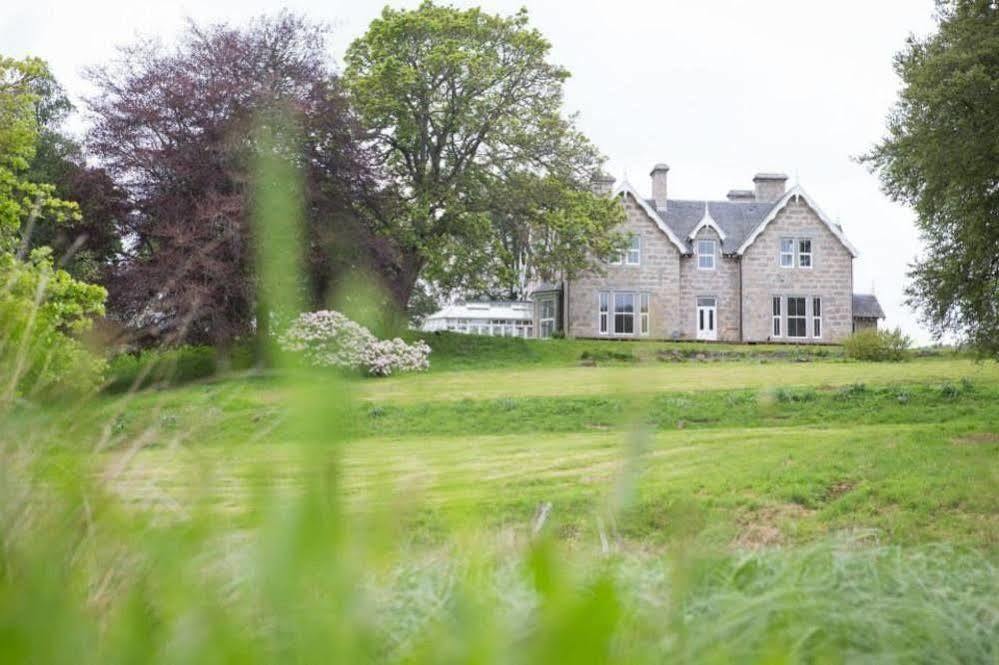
(624, 188)
(797, 193)
(707, 221)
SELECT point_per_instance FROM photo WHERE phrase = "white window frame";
(634, 250)
(542, 319)
(776, 309)
(603, 312)
(632, 314)
(803, 316)
(817, 317)
(789, 255)
(640, 314)
(800, 253)
(705, 255)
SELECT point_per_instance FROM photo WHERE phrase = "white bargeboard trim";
(795, 193)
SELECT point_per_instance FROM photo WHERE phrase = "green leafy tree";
(462, 105)
(22, 200)
(941, 156)
(87, 244)
(41, 306)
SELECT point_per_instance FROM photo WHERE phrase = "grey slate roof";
(866, 306)
(736, 218)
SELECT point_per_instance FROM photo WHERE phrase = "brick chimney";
(602, 184)
(659, 173)
(741, 195)
(769, 186)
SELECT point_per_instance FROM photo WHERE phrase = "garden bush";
(877, 345)
(40, 361)
(329, 339)
(173, 366)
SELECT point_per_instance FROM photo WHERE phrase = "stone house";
(764, 265)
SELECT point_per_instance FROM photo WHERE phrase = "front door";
(707, 319)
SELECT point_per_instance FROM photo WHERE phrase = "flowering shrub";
(329, 339)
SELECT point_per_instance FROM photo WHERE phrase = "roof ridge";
(725, 201)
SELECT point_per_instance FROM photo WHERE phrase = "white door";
(707, 318)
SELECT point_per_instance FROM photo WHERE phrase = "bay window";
(816, 317)
(604, 307)
(796, 326)
(624, 313)
(776, 315)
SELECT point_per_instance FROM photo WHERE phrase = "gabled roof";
(706, 221)
(866, 306)
(795, 193)
(736, 219)
(625, 188)
(738, 223)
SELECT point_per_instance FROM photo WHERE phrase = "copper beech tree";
(175, 128)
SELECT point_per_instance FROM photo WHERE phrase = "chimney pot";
(659, 173)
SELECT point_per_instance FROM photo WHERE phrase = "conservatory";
(497, 319)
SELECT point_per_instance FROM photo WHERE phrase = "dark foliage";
(85, 247)
(941, 156)
(175, 128)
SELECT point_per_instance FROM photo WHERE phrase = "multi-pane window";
(624, 313)
(791, 248)
(776, 311)
(644, 314)
(786, 253)
(604, 307)
(816, 317)
(633, 256)
(796, 324)
(706, 254)
(804, 253)
(546, 318)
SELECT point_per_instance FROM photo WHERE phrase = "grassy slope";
(664, 377)
(452, 351)
(754, 465)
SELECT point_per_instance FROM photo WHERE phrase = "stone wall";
(658, 274)
(722, 283)
(830, 278)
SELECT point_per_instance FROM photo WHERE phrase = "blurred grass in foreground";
(302, 576)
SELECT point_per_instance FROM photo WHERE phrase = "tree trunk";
(401, 286)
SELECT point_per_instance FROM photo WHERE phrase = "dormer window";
(705, 254)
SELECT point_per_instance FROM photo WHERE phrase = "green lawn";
(739, 507)
(753, 453)
(664, 377)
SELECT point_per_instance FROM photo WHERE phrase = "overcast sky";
(718, 90)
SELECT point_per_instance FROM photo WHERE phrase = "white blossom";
(329, 339)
